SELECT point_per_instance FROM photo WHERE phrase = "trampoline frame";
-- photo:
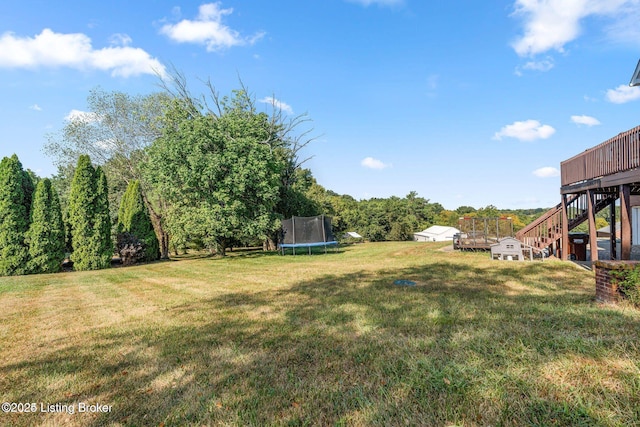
(293, 246)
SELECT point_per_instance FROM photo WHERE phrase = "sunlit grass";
(263, 339)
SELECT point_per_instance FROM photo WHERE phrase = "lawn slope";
(262, 339)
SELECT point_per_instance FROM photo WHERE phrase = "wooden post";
(625, 222)
(593, 236)
(612, 229)
(564, 244)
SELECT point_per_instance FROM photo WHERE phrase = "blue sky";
(466, 102)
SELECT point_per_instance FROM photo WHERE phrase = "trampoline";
(307, 232)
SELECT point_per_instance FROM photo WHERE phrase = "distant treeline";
(142, 177)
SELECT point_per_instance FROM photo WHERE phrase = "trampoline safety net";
(299, 232)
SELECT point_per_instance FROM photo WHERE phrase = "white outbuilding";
(352, 235)
(435, 233)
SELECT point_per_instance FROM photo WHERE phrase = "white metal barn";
(435, 233)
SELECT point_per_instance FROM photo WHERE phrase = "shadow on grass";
(257, 253)
(467, 345)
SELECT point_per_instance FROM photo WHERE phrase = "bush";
(130, 248)
(628, 282)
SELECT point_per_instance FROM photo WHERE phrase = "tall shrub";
(88, 216)
(46, 232)
(133, 218)
(16, 189)
(102, 226)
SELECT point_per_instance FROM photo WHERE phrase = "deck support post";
(625, 222)
(564, 244)
(613, 247)
(591, 218)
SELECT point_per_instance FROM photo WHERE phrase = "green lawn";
(262, 339)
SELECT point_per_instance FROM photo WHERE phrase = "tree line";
(211, 170)
(398, 218)
(145, 176)
(35, 234)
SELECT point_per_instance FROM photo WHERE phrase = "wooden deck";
(481, 233)
(612, 157)
(590, 182)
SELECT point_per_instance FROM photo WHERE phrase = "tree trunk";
(221, 247)
(161, 234)
(269, 244)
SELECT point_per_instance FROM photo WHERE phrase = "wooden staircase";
(547, 229)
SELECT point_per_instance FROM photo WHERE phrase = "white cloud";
(623, 93)
(378, 2)
(528, 130)
(624, 29)
(35, 107)
(543, 66)
(432, 81)
(120, 40)
(585, 120)
(371, 163)
(50, 49)
(546, 172)
(208, 29)
(81, 116)
(277, 104)
(551, 24)
(106, 144)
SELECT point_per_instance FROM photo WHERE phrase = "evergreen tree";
(88, 216)
(46, 232)
(102, 225)
(16, 189)
(133, 217)
(29, 180)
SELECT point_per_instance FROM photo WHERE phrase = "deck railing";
(618, 154)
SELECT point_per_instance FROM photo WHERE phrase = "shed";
(352, 235)
(606, 231)
(509, 248)
(435, 233)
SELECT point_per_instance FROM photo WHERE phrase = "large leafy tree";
(219, 171)
(46, 236)
(114, 133)
(133, 218)
(282, 133)
(89, 217)
(16, 190)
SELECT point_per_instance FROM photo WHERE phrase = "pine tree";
(16, 189)
(88, 216)
(46, 232)
(133, 217)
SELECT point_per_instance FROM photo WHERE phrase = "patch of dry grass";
(261, 339)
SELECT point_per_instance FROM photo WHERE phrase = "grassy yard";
(261, 339)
